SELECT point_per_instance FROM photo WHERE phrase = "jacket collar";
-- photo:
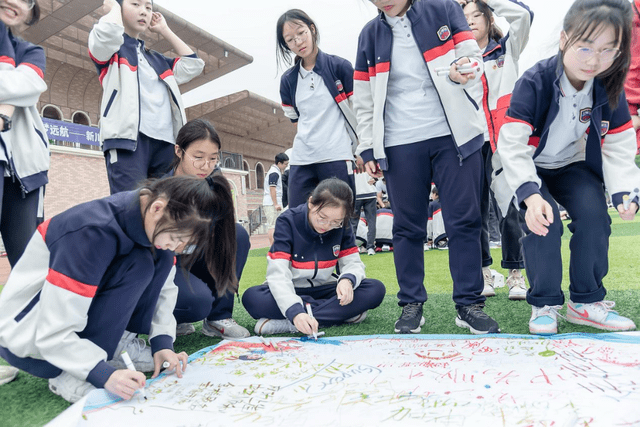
(321, 61)
(130, 219)
(491, 46)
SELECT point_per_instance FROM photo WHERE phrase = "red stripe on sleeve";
(626, 126)
(42, 228)
(350, 94)
(383, 67)
(7, 60)
(175, 61)
(279, 255)
(34, 68)
(463, 36)
(341, 97)
(349, 251)
(65, 282)
(361, 75)
(166, 74)
(439, 51)
(94, 59)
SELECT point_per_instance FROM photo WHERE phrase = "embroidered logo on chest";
(336, 250)
(585, 115)
(604, 128)
(500, 61)
(339, 86)
(444, 33)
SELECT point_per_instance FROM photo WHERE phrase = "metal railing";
(256, 218)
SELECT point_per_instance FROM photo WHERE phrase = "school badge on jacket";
(336, 250)
(444, 33)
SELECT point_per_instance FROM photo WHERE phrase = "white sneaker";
(357, 319)
(138, 351)
(362, 250)
(371, 251)
(185, 329)
(69, 387)
(544, 320)
(225, 328)
(426, 247)
(599, 315)
(517, 285)
(7, 374)
(386, 248)
(488, 290)
(275, 326)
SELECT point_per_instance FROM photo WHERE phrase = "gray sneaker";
(225, 328)
(275, 326)
(138, 351)
(7, 374)
(357, 318)
(69, 387)
(487, 278)
(185, 329)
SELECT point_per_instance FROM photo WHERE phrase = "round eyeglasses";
(198, 163)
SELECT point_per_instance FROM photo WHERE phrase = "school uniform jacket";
(501, 63)
(632, 85)
(443, 36)
(47, 297)
(25, 146)
(337, 75)
(302, 258)
(115, 55)
(610, 146)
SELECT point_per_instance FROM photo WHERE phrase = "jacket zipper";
(315, 260)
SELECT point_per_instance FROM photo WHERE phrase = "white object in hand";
(129, 364)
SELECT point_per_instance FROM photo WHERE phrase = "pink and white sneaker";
(598, 315)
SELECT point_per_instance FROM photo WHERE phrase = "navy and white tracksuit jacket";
(65, 272)
(610, 145)
(115, 55)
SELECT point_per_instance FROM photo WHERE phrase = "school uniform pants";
(259, 301)
(126, 299)
(18, 215)
(196, 300)
(411, 169)
(369, 206)
(303, 179)
(510, 225)
(581, 192)
(126, 169)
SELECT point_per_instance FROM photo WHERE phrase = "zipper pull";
(320, 239)
(460, 157)
(24, 192)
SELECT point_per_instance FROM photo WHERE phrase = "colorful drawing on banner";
(575, 379)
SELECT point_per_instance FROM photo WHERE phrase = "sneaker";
(517, 285)
(362, 250)
(386, 248)
(138, 351)
(225, 328)
(9, 373)
(275, 326)
(357, 319)
(69, 387)
(426, 247)
(371, 251)
(487, 277)
(185, 329)
(495, 245)
(478, 322)
(410, 320)
(599, 315)
(442, 245)
(544, 320)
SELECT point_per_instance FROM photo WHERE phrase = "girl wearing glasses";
(314, 260)
(315, 94)
(568, 135)
(24, 147)
(197, 154)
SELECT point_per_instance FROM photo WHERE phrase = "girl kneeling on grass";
(310, 240)
(104, 270)
(566, 137)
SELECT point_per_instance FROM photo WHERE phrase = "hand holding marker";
(468, 68)
(627, 199)
(310, 313)
(129, 364)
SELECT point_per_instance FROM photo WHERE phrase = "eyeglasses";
(300, 37)
(198, 163)
(28, 4)
(332, 224)
(584, 54)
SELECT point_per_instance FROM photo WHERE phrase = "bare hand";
(373, 169)
(108, 5)
(345, 291)
(539, 214)
(455, 76)
(630, 213)
(305, 323)
(158, 23)
(636, 122)
(359, 165)
(278, 207)
(174, 361)
(125, 382)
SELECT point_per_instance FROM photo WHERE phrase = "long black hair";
(192, 131)
(202, 208)
(298, 17)
(585, 18)
(333, 192)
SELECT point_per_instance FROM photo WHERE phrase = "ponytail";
(203, 208)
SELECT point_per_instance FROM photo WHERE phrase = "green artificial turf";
(28, 402)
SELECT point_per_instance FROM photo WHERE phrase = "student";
(382, 196)
(409, 126)
(197, 154)
(436, 232)
(311, 241)
(96, 275)
(632, 85)
(315, 94)
(272, 199)
(500, 55)
(384, 229)
(366, 200)
(566, 136)
(141, 110)
(24, 147)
